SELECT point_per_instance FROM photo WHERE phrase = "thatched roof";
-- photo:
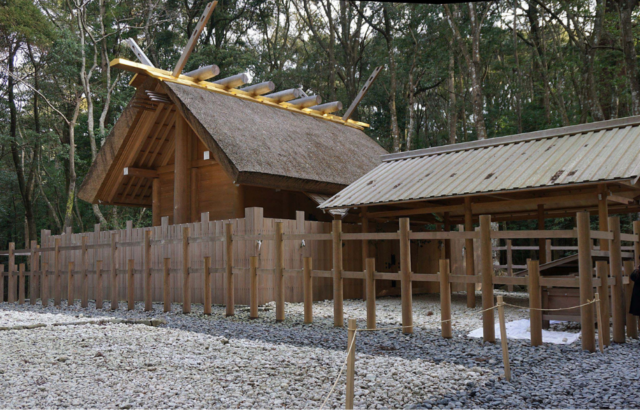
(254, 143)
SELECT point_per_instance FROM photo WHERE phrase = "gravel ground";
(217, 362)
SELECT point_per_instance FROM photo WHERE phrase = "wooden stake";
(207, 285)
(631, 320)
(371, 293)
(405, 277)
(279, 272)
(308, 290)
(486, 265)
(617, 290)
(186, 279)
(99, 286)
(57, 286)
(351, 363)
(253, 291)
(33, 279)
(535, 302)
(585, 267)
(22, 289)
(146, 272)
(114, 272)
(602, 271)
(228, 246)
(503, 340)
(166, 285)
(445, 299)
(600, 323)
(469, 253)
(338, 315)
(70, 284)
(11, 286)
(84, 277)
(131, 304)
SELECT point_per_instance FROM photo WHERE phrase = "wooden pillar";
(146, 272)
(585, 267)
(602, 270)
(253, 291)
(11, 285)
(445, 299)
(371, 292)
(509, 263)
(155, 202)
(114, 272)
(57, 286)
(631, 320)
(338, 317)
(99, 285)
(186, 278)
(636, 244)
(84, 276)
(447, 242)
(486, 266)
(405, 277)
(279, 271)
(22, 288)
(307, 286)
(617, 293)
(365, 246)
(535, 302)
(542, 253)
(207, 286)
(468, 253)
(33, 279)
(70, 284)
(181, 186)
(603, 216)
(228, 247)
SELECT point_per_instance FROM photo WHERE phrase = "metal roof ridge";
(510, 139)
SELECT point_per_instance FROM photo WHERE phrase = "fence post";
(99, 286)
(206, 300)
(228, 247)
(405, 277)
(131, 303)
(445, 299)
(114, 272)
(371, 292)
(11, 287)
(600, 322)
(33, 294)
(617, 295)
(535, 302)
(486, 265)
(308, 290)
(44, 285)
(186, 279)
(57, 286)
(166, 286)
(70, 284)
(253, 281)
(585, 267)
(631, 320)
(148, 278)
(503, 340)
(351, 363)
(22, 286)
(279, 272)
(602, 271)
(336, 232)
(84, 277)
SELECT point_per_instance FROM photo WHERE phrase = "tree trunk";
(628, 48)
(452, 115)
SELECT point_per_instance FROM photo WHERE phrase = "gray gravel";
(217, 362)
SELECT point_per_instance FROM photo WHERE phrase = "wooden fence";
(215, 247)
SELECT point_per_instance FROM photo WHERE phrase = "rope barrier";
(550, 310)
(353, 342)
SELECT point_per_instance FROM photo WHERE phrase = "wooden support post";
(631, 320)
(44, 285)
(548, 251)
(166, 285)
(535, 302)
(371, 293)
(11, 285)
(279, 272)
(57, 286)
(130, 285)
(70, 284)
(636, 244)
(22, 289)
(585, 267)
(405, 277)
(600, 323)
(468, 253)
(228, 246)
(308, 290)
(503, 340)
(447, 242)
(99, 285)
(602, 272)
(486, 266)
(542, 253)
(155, 202)
(365, 244)
(146, 272)
(186, 279)
(84, 277)
(351, 363)
(114, 272)
(338, 315)
(445, 299)
(181, 185)
(253, 291)
(207, 285)
(509, 263)
(33, 278)
(618, 313)
(603, 215)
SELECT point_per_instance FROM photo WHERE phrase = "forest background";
(453, 73)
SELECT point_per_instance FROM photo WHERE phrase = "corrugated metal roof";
(596, 152)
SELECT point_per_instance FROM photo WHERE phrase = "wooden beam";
(362, 93)
(140, 172)
(199, 163)
(208, 10)
(619, 199)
